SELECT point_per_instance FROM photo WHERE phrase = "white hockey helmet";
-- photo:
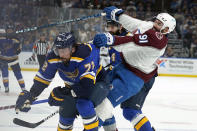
(167, 20)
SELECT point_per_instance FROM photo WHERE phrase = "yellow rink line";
(26, 69)
(178, 75)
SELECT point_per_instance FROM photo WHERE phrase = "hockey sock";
(110, 124)
(86, 110)
(21, 83)
(6, 83)
(139, 121)
(65, 124)
(19, 77)
(100, 122)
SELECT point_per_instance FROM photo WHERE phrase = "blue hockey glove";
(112, 13)
(57, 96)
(105, 39)
(24, 101)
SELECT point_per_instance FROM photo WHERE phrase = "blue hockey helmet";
(64, 40)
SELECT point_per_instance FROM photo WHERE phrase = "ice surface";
(170, 106)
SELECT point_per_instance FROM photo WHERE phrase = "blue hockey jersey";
(84, 64)
(9, 49)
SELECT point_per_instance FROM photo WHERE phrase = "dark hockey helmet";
(64, 40)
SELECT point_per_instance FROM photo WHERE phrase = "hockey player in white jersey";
(139, 54)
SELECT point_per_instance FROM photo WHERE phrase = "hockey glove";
(113, 13)
(57, 96)
(24, 101)
(105, 39)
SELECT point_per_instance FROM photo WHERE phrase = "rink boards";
(167, 66)
(177, 67)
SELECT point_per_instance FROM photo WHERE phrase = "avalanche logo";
(161, 63)
(159, 35)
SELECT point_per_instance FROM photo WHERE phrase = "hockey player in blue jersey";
(77, 64)
(10, 48)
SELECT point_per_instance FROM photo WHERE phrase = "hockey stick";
(23, 123)
(13, 106)
(59, 23)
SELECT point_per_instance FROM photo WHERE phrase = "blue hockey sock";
(140, 121)
(110, 124)
(130, 114)
(21, 83)
(109, 121)
(6, 82)
(100, 122)
(65, 124)
(86, 110)
(19, 77)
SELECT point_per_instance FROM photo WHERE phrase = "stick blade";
(24, 123)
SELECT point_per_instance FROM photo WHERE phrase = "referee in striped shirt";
(40, 49)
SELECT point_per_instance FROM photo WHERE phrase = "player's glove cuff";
(116, 13)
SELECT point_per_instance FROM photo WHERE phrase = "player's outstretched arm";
(128, 22)
(41, 81)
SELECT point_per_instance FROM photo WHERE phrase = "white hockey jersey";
(140, 51)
